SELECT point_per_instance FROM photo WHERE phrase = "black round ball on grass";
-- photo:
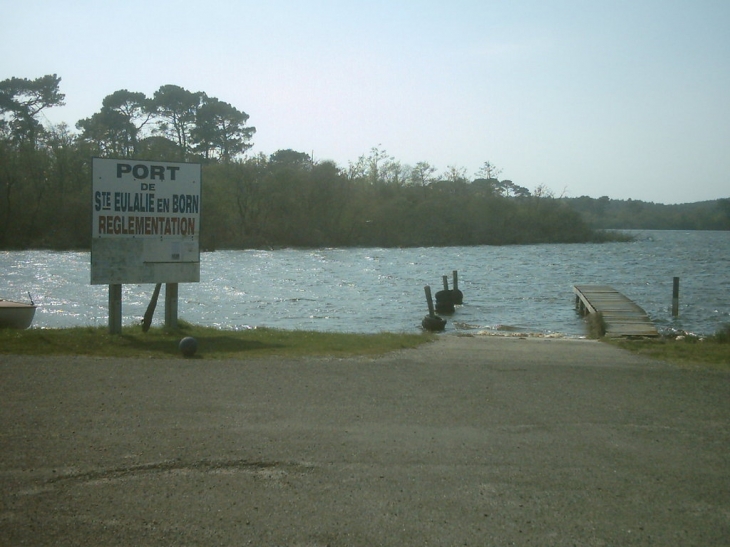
(188, 346)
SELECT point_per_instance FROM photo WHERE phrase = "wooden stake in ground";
(147, 321)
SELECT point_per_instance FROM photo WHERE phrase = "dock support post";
(115, 309)
(675, 298)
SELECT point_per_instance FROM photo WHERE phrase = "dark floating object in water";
(444, 302)
(432, 322)
(445, 299)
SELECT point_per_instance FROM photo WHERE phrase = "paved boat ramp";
(622, 316)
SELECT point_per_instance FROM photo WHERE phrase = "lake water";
(507, 290)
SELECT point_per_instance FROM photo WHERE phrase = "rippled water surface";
(510, 289)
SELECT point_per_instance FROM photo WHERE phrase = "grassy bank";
(212, 343)
(689, 351)
(685, 350)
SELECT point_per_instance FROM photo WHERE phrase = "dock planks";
(622, 316)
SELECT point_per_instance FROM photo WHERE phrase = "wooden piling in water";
(432, 322)
(675, 297)
(458, 295)
(429, 300)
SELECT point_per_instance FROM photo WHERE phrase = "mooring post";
(458, 295)
(675, 297)
(446, 282)
(115, 309)
(171, 305)
(429, 300)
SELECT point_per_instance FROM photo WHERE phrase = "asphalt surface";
(467, 441)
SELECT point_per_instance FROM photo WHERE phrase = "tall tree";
(220, 130)
(423, 174)
(375, 162)
(176, 110)
(489, 171)
(116, 128)
(109, 131)
(511, 189)
(453, 180)
(22, 100)
(455, 174)
(135, 108)
(290, 158)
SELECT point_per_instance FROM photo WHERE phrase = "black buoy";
(444, 304)
(432, 322)
(445, 298)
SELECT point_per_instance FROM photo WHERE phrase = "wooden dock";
(621, 316)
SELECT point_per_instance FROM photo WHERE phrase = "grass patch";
(212, 343)
(685, 350)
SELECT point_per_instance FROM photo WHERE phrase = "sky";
(625, 99)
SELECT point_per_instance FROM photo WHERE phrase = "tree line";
(251, 201)
(631, 214)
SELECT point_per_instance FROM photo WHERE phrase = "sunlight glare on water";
(509, 289)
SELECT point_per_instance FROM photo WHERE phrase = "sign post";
(145, 228)
(171, 305)
(115, 309)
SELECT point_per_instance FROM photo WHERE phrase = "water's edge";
(512, 290)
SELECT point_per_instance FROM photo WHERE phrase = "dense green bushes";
(45, 202)
(319, 205)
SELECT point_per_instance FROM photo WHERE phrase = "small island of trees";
(286, 199)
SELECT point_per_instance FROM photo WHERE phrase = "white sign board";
(145, 222)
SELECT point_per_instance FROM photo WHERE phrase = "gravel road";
(482, 441)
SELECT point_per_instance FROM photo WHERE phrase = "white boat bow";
(16, 315)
